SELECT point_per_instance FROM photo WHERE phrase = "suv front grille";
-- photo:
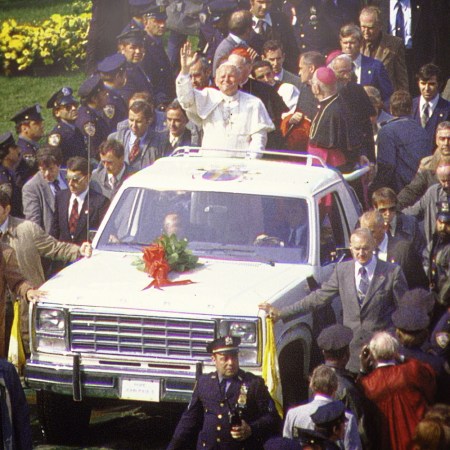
(140, 336)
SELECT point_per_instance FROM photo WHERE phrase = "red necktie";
(73, 218)
(134, 152)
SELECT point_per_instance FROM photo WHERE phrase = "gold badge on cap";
(228, 340)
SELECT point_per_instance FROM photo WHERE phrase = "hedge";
(58, 41)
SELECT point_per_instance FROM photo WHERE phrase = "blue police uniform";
(157, 66)
(28, 164)
(210, 409)
(8, 184)
(115, 109)
(69, 139)
(137, 81)
(93, 127)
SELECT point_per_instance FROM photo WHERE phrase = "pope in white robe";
(230, 119)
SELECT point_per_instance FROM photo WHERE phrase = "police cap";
(309, 437)
(28, 113)
(219, 8)
(443, 211)
(418, 298)
(225, 344)
(91, 86)
(7, 140)
(62, 97)
(131, 34)
(156, 11)
(112, 63)
(335, 337)
(410, 319)
(328, 413)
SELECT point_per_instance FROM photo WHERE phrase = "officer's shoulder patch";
(6, 188)
(89, 128)
(109, 111)
(54, 139)
(442, 339)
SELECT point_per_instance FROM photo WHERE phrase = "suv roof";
(195, 172)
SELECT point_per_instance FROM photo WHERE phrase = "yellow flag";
(270, 369)
(16, 354)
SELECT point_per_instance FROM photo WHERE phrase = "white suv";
(100, 334)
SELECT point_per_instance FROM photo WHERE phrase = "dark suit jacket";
(391, 52)
(385, 290)
(440, 114)
(403, 253)
(98, 204)
(282, 31)
(407, 228)
(374, 74)
(184, 139)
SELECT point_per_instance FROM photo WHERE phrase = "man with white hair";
(401, 392)
(231, 119)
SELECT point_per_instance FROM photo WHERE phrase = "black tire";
(293, 382)
(62, 420)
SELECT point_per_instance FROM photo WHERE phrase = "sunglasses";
(390, 209)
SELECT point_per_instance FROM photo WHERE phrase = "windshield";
(216, 224)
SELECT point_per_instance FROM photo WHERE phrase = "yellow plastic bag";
(270, 369)
(16, 354)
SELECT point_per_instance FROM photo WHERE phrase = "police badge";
(109, 111)
(442, 339)
(89, 128)
(54, 139)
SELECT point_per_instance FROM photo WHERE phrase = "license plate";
(146, 390)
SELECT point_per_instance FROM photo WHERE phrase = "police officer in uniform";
(440, 256)
(65, 134)
(156, 63)
(90, 119)
(113, 74)
(131, 45)
(231, 408)
(30, 129)
(9, 156)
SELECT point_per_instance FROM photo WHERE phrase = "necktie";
(73, 218)
(425, 114)
(363, 283)
(223, 387)
(113, 182)
(400, 21)
(1, 234)
(56, 185)
(259, 26)
(134, 152)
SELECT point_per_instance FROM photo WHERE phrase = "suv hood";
(219, 287)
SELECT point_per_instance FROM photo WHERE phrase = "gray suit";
(151, 148)
(300, 417)
(100, 183)
(39, 201)
(387, 286)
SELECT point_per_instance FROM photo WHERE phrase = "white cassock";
(238, 122)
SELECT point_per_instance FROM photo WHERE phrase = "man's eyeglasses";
(390, 209)
(75, 178)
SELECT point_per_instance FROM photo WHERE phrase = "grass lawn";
(25, 90)
(21, 91)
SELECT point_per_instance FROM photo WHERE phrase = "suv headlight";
(245, 330)
(50, 329)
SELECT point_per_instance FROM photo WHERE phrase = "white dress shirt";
(406, 7)
(80, 199)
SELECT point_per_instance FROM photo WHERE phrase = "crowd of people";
(357, 83)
